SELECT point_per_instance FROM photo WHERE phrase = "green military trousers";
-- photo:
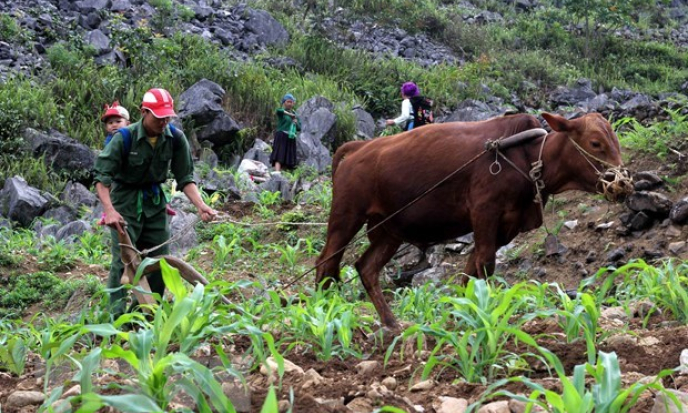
(145, 232)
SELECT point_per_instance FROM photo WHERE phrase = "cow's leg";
(340, 230)
(482, 261)
(382, 249)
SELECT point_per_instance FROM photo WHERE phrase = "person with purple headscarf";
(405, 120)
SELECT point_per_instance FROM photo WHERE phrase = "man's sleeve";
(182, 164)
(109, 161)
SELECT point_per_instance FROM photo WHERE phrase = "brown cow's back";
(391, 172)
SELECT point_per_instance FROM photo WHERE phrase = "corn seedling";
(602, 394)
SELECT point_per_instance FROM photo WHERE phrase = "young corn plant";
(91, 248)
(580, 314)
(289, 255)
(161, 374)
(600, 393)
(488, 321)
(225, 251)
(326, 322)
(644, 281)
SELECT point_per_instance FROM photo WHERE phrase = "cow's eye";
(596, 144)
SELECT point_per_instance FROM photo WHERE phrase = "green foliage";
(657, 138)
(10, 30)
(602, 393)
(291, 216)
(21, 291)
(644, 281)
(13, 355)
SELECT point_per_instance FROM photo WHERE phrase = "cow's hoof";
(385, 335)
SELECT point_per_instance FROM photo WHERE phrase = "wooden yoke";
(132, 260)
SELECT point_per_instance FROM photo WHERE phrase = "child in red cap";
(115, 117)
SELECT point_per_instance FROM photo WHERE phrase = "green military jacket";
(134, 179)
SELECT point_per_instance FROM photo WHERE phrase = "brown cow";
(375, 179)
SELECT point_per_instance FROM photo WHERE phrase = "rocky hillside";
(45, 41)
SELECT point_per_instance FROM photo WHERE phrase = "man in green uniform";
(128, 174)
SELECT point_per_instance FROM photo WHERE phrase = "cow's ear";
(556, 122)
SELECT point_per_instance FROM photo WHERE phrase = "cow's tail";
(343, 151)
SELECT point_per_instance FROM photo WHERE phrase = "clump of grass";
(21, 291)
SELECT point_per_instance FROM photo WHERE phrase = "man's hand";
(206, 213)
(113, 220)
(390, 122)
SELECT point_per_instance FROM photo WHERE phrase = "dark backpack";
(422, 111)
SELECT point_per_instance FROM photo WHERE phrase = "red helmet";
(159, 102)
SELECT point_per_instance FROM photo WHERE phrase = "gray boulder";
(317, 125)
(679, 212)
(120, 6)
(279, 184)
(651, 203)
(220, 181)
(98, 40)
(63, 214)
(220, 131)
(87, 6)
(76, 194)
(186, 240)
(471, 110)
(577, 95)
(72, 231)
(365, 124)
(201, 103)
(21, 202)
(61, 152)
(268, 31)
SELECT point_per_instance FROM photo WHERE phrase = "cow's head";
(593, 151)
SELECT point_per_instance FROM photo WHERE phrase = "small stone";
(271, 367)
(683, 362)
(283, 406)
(20, 399)
(571, 224)
(648, 341)
(360, 405)
(390, 383)
(314, 376)
(450, 405)
(239, 395)
(614, 313)
(73, 391)
(374, 395)
(621, 341)
(368, 368)
(516, 406)
(496, 407)
(673, 231)
(423, 385)
(664, 404)
(677, 247)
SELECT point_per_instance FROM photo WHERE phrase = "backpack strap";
(126, 140)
